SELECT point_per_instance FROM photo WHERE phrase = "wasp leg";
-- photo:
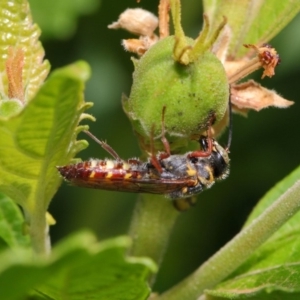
(154, 158)
(163, 133)
(104, 145)
(205, 142)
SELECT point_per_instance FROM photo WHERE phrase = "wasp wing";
(134, 185)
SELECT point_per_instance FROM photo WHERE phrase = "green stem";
(176, 16)
(151, 226)
(39, 232)
(204, 42)
(181, 46)
(238, 250)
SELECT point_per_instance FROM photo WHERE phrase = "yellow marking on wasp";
(127, 176)
(92, 175)
(211, 176)
(191, 171)
(126, 166)
(184, 190)
(110, 164)
(109, 175)
(94, 163)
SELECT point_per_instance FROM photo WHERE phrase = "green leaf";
(64, 15)
(251, 21)
(273, 194)
(274, 269)
(10, 107)
(18, 31)
(11, 223)
(79, 268)
(40, 138)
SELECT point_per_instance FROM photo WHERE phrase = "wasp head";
(219, 161)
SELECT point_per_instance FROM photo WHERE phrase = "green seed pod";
(184, 76)
(191, 94)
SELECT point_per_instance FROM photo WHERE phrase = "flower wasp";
(177, 176)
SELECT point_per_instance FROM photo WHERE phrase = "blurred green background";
(265, 145)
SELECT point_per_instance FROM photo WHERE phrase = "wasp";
(177, 176)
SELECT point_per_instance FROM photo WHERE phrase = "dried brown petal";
(141, 45)
(241, 111)
(251, 95)
(231, 67)
(134, 45)
(137, 21)
(268, 57)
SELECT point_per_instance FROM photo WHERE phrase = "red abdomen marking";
(92, 169)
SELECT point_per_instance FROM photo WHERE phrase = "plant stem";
(151, 226)
(39, 232)
(238, 250)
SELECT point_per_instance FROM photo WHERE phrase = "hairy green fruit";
(191, 93)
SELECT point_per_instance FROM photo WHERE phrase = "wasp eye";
(203, 142)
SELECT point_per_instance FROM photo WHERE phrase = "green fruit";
(191, 93)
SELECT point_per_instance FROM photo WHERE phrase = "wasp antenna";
(230, 122)
(104, 145)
